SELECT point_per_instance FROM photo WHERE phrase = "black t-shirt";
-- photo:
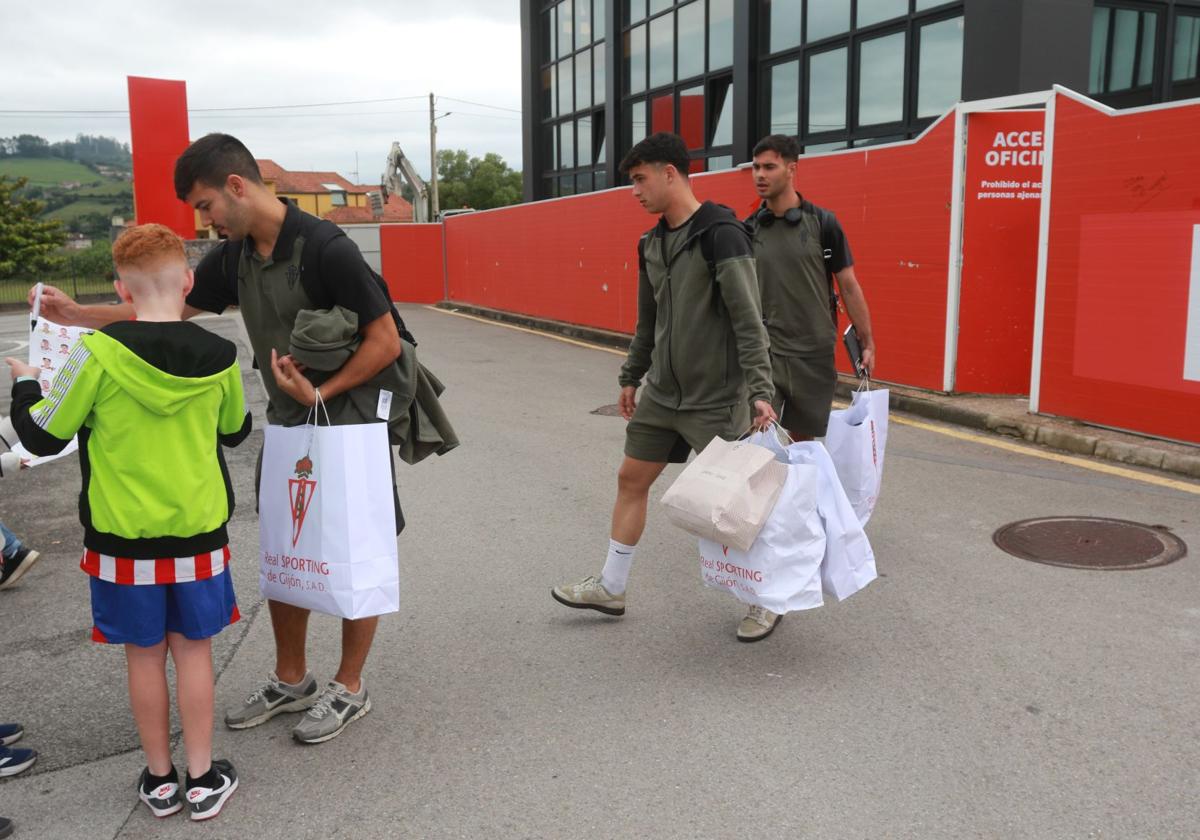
(346, 279)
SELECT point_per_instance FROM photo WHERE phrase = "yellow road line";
(518, 328)
(993, 441)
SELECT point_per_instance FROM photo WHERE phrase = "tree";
(481, 183)
(27, 244)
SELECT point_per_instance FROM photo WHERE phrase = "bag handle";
(313, 420)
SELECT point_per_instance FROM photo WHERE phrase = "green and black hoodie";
(700, 340)
(152, 402)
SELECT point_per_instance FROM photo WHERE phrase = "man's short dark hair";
(210, 161)
(782, 145)
(662, 147)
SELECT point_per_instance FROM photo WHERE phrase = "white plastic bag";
(726, 493)
(782, 568)
(856, 439)
(849, 562)
(327, 526)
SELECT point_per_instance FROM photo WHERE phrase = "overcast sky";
(75, 55)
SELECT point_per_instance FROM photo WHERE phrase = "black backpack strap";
(231, 253)
(322, 233)
(706, 242)
(826, 220)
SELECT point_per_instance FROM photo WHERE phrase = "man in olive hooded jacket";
(700, 348)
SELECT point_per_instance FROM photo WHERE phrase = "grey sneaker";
(336, 710)
(757, 625)
(589, 594)
(273, 698)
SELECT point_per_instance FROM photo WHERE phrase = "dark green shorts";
(663, 435)
(803, 392)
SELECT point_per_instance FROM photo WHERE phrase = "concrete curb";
(1033, 429)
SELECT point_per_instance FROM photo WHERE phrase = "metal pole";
(433, 189)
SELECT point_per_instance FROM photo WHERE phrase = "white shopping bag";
(327, 527)
(726, 493)
(849, 561)
(782, 569)
(856, 439)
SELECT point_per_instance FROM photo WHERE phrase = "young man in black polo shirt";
(699, 344)
(798, 247)
(218, 176)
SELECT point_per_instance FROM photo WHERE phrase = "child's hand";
(19, 368)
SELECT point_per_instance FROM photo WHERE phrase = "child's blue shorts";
(143, 615)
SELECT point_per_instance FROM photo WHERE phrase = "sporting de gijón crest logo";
(301, 490)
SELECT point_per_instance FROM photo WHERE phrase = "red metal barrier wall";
(412, 262)
(1124, 210)
(158, 123)
(575, 259)
(1001, 214)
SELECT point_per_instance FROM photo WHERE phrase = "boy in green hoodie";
(152, 400)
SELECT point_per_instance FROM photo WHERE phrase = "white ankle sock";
(616, 568)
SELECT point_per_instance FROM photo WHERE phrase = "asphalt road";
(966, 693)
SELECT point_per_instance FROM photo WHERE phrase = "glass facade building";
(601, 74)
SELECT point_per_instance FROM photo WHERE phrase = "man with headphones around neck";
(799, 248)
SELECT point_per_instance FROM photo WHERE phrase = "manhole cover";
(613, 410)
(1088, 542)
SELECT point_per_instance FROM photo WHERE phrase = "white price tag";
(384, 408)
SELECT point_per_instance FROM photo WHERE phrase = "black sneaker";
(206, 802)
(6, 827)
(17, 565)
(162, 799)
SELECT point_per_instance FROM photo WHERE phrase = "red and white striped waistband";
(131, 572)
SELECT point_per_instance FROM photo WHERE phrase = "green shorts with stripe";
(803, 392)
(663, 435)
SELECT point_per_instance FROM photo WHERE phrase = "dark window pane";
(691, 39)
(599, 141)
(583, 183)
(566, 144)
(548, 147)
(546, 51)
(550, 188)
(583, 141)
(566, 185)
(1149, 31)
(659, 5)
(635, 10)
(1101, 18)
(565, 28)
(875, 141)
(783, 24)
(939, 75)
(662, 53)
(635, 59)
(874, 11)
(583, 23)
(600, 178)
(691, 117)
(720, 34)
(827, 17)
(783, 81)
(881, 80)
(721, 162)
(547, 103)
(1185, 61)
(662, 113)
(1125, 70)
(600, 82)
(566, 86)
(721, 114)
(583, 80)
(827, 91)
(599, 19)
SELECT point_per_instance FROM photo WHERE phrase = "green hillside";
(49, 172)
